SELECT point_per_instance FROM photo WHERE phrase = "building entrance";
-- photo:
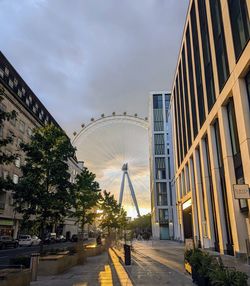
(187, 222)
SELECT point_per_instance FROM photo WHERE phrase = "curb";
(122, 263)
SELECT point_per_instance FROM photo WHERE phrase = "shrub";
(21, 260)
(224, 276)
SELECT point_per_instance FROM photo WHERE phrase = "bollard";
(34, 261)
(127, 254)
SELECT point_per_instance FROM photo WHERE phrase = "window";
(169, 169)
(15, 178)
(177, 130)
(191, 84)
(163, 216)
(196, 52)
(19, 141)
(170, 194)
(2, 107)
(13, 121)
(182, 111)
(167, 103)
(161, 192)
(6, 71)
(230, 249)
(1, 131)
(5, 175)
(239, 175)
(1, 73)
(219, 42)
(29, 131)
(211, 189)
(240, 25)
(160, 168)
(248, 86)
(157, 101)
(11, 136)
(19, 93)
(158, 113)
(15, 82)
(186, 98)
(159, 144)
(179, 114)
(18, 162)
(206, 54)
(21, 126)
(11, 84)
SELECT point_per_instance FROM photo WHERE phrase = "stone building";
(211, 112)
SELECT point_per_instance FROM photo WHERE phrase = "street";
(6, 254)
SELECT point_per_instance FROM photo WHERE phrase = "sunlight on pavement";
(121, 272)
(105, 277)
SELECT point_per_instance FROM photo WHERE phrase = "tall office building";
(210, 106)
(161, 167)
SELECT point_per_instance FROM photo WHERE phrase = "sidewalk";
(104, 270)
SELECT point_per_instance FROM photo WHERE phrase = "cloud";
(83, 58)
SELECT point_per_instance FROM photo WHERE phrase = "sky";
(83, 58)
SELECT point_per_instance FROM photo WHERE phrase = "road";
(6, 254)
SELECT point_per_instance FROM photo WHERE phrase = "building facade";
(161, 167)
(210, 106)
(31, 113)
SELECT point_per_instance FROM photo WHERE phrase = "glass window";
(170, 193)
(157, 101)
(169, 168)
(211, 189)
(1, 131)
(18, 162)
(159, 144)
(160, 168)
(206, 54)
(183, 113)
(196, 52)
(230, 249)
(248, 86)
(15, 179)
(21, 126)
(179, 115)
(219, 42)
(191, 84)
(177, 129)
(163, 216)
(161, 191)
(236, 150)
(240, 24)
(186, 97)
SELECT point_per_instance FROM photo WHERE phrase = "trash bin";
(127, 254)
(34, 265)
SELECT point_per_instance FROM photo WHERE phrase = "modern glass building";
(161, 167)
(210, 106)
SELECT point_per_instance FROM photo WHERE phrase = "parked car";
(50, 238)
(8, 241)
(60, 238)
(74, 238)
(28, 240)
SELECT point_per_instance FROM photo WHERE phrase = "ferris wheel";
(107, 143)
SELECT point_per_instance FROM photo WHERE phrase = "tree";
(141, 225)
(113, 215)
(5, 158)
(44, 190)
(87, 194)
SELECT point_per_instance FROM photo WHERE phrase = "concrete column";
(237, 220)
(220, 217)
(207, 197)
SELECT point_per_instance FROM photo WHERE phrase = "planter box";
(93, 251)
(56, 264)
(12, 277)
(188, 267)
